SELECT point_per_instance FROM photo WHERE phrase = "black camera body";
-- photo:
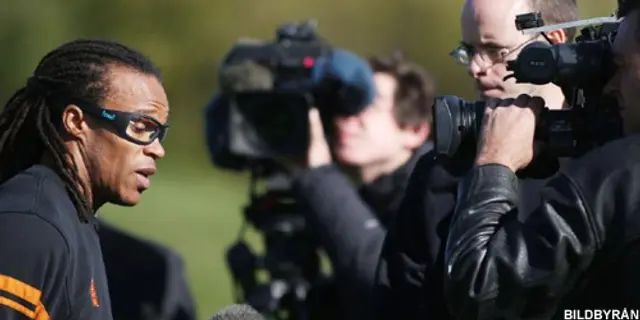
(266, 93)
(262, 112)
(581, 69)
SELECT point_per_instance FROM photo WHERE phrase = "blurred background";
(193, 207)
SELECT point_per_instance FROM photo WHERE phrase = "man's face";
(489, 30)
(373, 135)
(625, 83)
(119, 169)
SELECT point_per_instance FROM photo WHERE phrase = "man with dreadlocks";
(86, 129)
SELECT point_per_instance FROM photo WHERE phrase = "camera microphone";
(238, 312)
(345, 80)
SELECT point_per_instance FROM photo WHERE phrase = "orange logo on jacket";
(94, 294)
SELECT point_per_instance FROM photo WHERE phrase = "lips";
(142, 177)
(486, 86)
(489, 92)
(147, 172)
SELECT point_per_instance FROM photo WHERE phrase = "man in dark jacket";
(381, 144)
(579, 248)
(409, 278)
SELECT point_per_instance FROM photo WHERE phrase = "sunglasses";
(134, 127)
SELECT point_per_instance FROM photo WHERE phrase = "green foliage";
(192, 207)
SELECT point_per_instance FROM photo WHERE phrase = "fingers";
(315, 124)
(522, 101)
(536, 103)
(493, 103)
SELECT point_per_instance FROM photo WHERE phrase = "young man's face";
(373, 135)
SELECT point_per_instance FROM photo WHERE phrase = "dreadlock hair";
(31, 119)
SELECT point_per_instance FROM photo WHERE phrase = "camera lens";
(579, 65)
(536, 64)
(455, 122)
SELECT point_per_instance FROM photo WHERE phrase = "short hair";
(557, 11)
(31, 119)
(415, 89)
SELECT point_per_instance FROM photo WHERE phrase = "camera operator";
(409, 280)
(579, 248)
(381, 144)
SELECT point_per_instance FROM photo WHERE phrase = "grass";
(198, 215)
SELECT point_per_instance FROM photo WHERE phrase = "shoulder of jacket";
(612, 159)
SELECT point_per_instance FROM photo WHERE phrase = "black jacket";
(50, 262)
(146, 279)
(350, 225)
(410, 273)
(578, 249)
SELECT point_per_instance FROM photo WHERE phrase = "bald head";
(490, 37)
(489, 28)
(492, 22)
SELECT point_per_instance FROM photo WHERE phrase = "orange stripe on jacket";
(25, 292)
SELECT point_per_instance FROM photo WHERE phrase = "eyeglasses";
(464, 53)
(134, 127)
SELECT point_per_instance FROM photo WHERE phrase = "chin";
(128, 199)
(350, 158)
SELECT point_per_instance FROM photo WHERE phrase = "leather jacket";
(409, 278)
(580, 248)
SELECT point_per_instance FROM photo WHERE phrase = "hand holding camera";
(580, 69)
(318, 154)
(508, 129)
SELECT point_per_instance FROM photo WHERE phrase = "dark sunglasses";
(134, 127)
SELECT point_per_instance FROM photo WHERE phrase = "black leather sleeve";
(500, 267)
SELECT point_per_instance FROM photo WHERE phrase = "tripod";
(290, 259)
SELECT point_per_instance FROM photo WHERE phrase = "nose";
(475, 68)
(155, 150)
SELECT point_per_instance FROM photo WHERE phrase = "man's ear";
(73, 121)
(415, 136)
(557, 36)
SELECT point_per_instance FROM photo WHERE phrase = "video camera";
(580, 69)
(268, 89)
